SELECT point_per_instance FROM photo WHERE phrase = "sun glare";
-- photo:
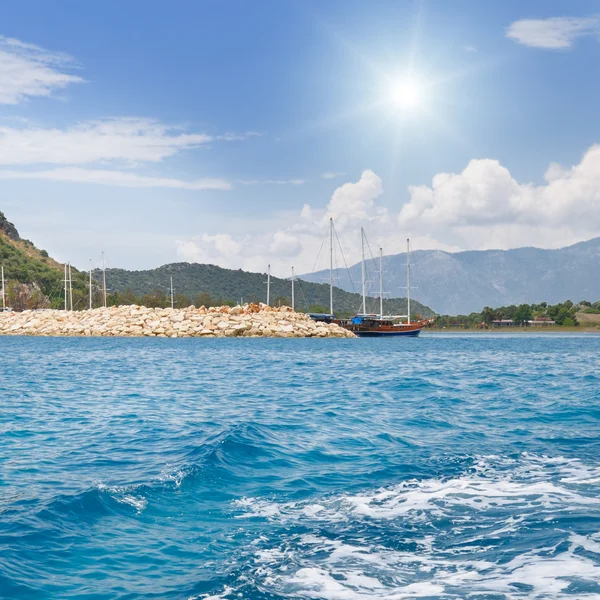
(405, 94)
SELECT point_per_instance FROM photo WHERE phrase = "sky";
(229, 132)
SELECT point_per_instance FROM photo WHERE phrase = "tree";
(488, 315)
(318, 309)
(204, 299)
(182, 301)
(126, 298)
(155, 299)
(282, 301)
(523, 315)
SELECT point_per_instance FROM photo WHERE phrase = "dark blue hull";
(374, 333)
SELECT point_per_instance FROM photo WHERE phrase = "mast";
(381, 282)
(268, 284)
(362, 264)
(331, 265)
(70, 288)
(103, 280)
(90, 284)
(408, 278)
(293, 302)
(3, 292)
(66, 286)
(172, 295)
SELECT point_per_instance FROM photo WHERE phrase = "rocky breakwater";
(249, 320)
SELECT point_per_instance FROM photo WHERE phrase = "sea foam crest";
(460, 537)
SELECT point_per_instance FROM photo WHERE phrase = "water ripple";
(445, 467)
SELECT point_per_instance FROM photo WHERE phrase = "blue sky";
(229, 131)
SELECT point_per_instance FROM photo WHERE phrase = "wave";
(221, 458)
(505, 528)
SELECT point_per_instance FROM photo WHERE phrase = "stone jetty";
(250, 320)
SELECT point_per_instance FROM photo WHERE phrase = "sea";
(440, 467)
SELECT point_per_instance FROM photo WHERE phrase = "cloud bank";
(555, 33)
(27, 71)
(114, 178)
(122, 139)
(482, 207)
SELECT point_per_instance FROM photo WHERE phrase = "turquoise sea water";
(445, 467)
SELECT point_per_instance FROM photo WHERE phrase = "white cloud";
(553, 33)
(306, 212)
(298, 238)
(284, 244)
(485, 207)
(115, 178)
(482, 207)
(272, 181)
(331, 175)
(218, 249)
(28, 71)
(354, 202)
(124, 139)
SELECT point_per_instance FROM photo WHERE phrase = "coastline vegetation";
(563, 314)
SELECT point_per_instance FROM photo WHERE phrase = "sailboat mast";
(268, 284)
(90, 284)
(408, 278)
(381, 282)
(293, 299)
(66, 286)
(331, 265)
(70, 287)
(103, 280)
(362, 264)
(172, 295)
(3, 292)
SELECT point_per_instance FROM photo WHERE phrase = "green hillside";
(33, 279)
(204, 284)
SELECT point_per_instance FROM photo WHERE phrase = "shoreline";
(514, 330)
(250, 320)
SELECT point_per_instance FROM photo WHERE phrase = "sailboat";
(373, 325)
(380, 325)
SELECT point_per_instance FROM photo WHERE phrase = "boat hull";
(380, 333)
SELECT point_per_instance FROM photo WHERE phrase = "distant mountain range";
(449, 283)
(464, 282)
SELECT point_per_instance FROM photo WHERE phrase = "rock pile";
(250, 320)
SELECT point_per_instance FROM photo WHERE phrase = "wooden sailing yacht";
(373, 325)
(380, 325)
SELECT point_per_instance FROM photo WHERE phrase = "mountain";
(33, 279)
(192, 279)
(465, 282)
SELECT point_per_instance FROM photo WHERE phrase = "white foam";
(496, 498)
(138, 503)
(221, 596)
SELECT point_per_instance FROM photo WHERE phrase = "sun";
(406, 94)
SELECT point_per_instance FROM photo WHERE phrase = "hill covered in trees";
(202, 284)
(33, 279)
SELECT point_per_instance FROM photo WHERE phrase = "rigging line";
(300, 292)
(344, 258)
(318, 256)
(369, 281)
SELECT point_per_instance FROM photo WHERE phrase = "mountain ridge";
(193, 279)
(467, 281)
